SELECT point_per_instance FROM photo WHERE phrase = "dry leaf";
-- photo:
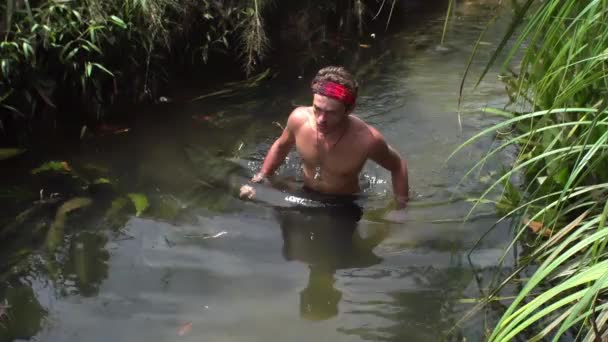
(537, 227)
(66, 166)
(184, 329)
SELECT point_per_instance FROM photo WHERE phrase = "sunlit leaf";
(57, 166)
(102, 68)
(116, 20)
(140, 202)
(7, 153)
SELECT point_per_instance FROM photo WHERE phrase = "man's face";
(329, 113)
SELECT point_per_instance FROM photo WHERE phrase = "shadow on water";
(147, 234)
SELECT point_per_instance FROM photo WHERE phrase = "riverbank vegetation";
(68, 60)
(559, 121)
(79, 54)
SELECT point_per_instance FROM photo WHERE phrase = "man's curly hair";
(337, 74)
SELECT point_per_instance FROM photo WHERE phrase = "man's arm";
(276, 155)
(280, 148)
(388, 158)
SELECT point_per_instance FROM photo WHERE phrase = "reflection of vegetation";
(44, 227)
(81, 271)
(424, 311)
(24, 316)
(75, 197)
(561, 211)
(55, 233)
(320, 299)
(87, 263)
(7, 153)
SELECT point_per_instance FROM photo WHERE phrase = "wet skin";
(331, 140)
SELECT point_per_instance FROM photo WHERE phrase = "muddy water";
(190, 261)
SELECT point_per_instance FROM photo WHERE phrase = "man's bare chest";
(339, 156)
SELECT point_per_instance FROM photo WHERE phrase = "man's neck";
(336, 132)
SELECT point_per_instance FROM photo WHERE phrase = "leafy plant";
(562, 141)
(89, 46)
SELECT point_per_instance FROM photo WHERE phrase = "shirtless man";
(333, 144)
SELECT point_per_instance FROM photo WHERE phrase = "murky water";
(199, 264)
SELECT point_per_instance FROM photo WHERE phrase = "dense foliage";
(561, 128)
(87, 48)
(84, 54)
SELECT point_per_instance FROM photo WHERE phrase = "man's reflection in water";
(327, 239)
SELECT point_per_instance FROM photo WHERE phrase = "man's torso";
(335, 160)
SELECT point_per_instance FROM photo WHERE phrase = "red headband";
(335, 91)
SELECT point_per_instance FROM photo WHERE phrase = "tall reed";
(562, 135)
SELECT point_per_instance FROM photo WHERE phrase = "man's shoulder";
(300, 113)
(366, 131)
(298, 117)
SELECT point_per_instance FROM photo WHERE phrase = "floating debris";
(232, 87)
(205, 236)
(216, 235)
(4, 310)
(165, 99)
(105, 129)
(83, 132)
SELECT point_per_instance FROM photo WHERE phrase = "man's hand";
(258, 178)
(247, 192)
(278, 151)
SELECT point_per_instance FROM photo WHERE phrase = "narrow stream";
(201, 265)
